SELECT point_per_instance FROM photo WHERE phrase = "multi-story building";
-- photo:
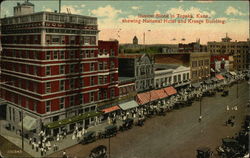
(219, 63)
(238, 49)
(140, 66)
(55, 69)
(192, 47)
(200, 66)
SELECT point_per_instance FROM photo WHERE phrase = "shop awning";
(196, 85)
(111, 109)
(161, 93)
(73, 119)
(219, 77)
(128, 105)
(232, 73)
(208, 81)
(29, 123)
(170, 90)
(217, 70)
(227, 75)
(212, 70)
(142, 98)
(153, 95)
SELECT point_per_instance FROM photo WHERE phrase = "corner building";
(54, 68)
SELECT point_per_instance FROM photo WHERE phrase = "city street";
(179, 133)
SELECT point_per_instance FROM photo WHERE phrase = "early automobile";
(204, 152)
(88, 137)
(127, 124)
(110, 131)
(225, 93)
(98, 152)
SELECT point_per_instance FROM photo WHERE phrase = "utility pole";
(22, 132)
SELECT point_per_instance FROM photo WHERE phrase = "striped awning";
(111, 109)
(170, 90)
(161, 93)
(142, 98)
(128, 105)
(153, 95)
(220, 77)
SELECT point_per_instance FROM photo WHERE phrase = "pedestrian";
(33, 144)
(41, 151)
(44, 151)
(73, 136)
(57, 138)
(78, 135)
(30, 141)
(64, 154)
(83, 131)
(54, 147)
(36, 146)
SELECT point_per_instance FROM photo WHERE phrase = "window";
(48, 104)
(112, 64)
(62, 69)
(81, 54)
(100, 79)
(105, 94)
(81, 68)
(92, 54)
(47, 70)
(179, 78)
(99, 95)
(105, 79)
(62, 56)
(71, 84)
(87, 53)
(72, 68)
(92, 67)
(92, 96)
(175, 79)
(112, 52)
(55, 39)
(48, 87)
(100, 66)
(72, 55)
(184, 76)
(86, 40)
(62, 85)
(47, 55)
(194, 74)
(72, 40)
(91, 80)
(71, 101)
(80, 83)
(61, 104)
(35, 105)
(35, 70)
(112, 93)
(55, 55)
(80, 99)
(105, 65)
(194, 63)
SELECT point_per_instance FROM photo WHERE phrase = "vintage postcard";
(124, 79)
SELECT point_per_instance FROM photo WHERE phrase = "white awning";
(29, 123)
(212, 70)
(233, 73)
(128, 105)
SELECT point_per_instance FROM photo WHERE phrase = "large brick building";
(238, 49)
(54, 68)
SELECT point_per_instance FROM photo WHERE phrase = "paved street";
(178, 133)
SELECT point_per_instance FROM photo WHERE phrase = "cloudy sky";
(111, 13)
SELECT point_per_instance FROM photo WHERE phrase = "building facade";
(238, 49)
(139, 66)
(199, 66)
(171, 75)
(54, 69)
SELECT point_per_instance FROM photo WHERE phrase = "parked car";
(204, 152)
(98, 152)
(225, 93)
(88, 137)
(110, 131)
(127, 124)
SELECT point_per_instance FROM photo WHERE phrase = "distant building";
(199, 63)
(192, 47)
(219, 63)
(238, 49)
(135, 40)
(24, 8)
(139, 66)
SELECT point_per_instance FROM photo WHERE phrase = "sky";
(111, 15)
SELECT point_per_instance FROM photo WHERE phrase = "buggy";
(127, 124)
(98, 152)
(204, 152)
(88, 137)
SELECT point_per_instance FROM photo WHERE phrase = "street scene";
(101, 80)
